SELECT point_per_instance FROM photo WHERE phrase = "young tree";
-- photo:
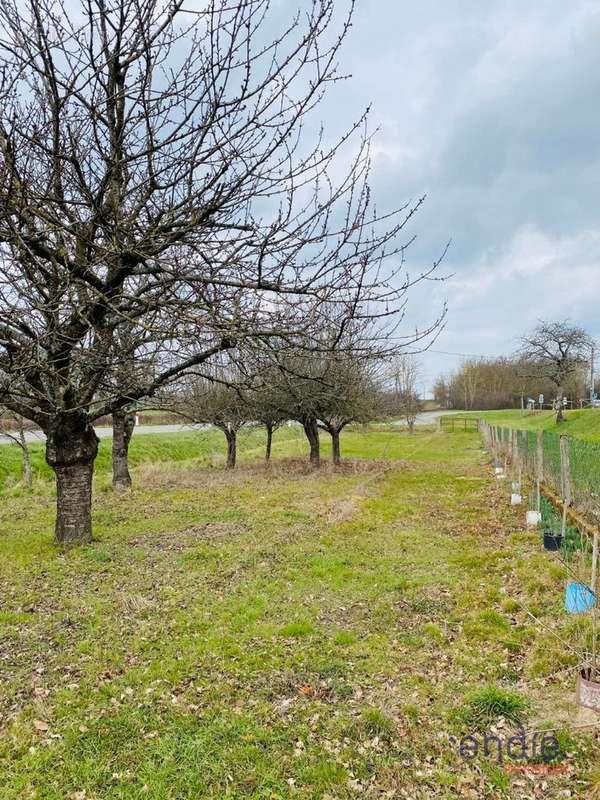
(556, 350)
(404, 377)
(153, 174)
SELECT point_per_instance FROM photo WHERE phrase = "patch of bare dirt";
(174, 475)
(177, 541)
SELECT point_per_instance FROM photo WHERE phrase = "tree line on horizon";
(552, 360)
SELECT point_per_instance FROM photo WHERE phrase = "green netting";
(584, 458)
(551, 450)
(531, 451)
(522, 448)
(584, 462)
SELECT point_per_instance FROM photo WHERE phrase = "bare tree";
(348, 393)
(154, 175)
(127, 373)
(556, 350)
(220, 404)
(404, 377)
(265, 405)
(324, 390)
(20, 440)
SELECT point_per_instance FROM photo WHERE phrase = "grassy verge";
(580, 423)
(202, 447)
(278, 633)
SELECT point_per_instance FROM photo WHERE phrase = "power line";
(463, 355)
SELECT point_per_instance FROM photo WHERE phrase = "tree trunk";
(71, 448)
(27, 476)
(560, 417)
(335, 446)
(123, 426)
(269, 442)
(312, 434)
(231, 448)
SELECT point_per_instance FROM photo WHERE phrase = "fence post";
(539, 467)
(565, 470)
(514, 445)
(565, 478)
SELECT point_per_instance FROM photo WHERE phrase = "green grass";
(275, 633)
(205, 447)
(579, 423)
(491, 703)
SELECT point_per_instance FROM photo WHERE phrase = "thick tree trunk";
(335, 447)
(269, 442)
(123, 426)
(71, 448)
(231, 448)
(312, 434)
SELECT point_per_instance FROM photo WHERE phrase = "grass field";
(281, 633)
(201, 447)
(581, 423)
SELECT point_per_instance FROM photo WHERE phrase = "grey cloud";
(492, 109)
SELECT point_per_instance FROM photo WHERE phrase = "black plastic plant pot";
(552, 541)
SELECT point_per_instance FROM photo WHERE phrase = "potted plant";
(552, 540)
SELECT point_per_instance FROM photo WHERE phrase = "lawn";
(282, 633)
(196, 447)
(579, 423)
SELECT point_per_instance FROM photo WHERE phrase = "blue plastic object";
(579, 598)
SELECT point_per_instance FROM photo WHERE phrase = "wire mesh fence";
(568, 467)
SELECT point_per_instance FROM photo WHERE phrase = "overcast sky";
(493, 110)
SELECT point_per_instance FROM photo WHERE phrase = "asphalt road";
(106, 433)
(426, 418)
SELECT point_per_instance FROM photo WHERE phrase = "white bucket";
(500, 476)
(515, 499)
(499, 470)
(533, 519)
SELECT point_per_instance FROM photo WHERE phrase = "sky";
(492, 110)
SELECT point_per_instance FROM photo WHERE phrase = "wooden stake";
(539, 466)
(565, 471)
